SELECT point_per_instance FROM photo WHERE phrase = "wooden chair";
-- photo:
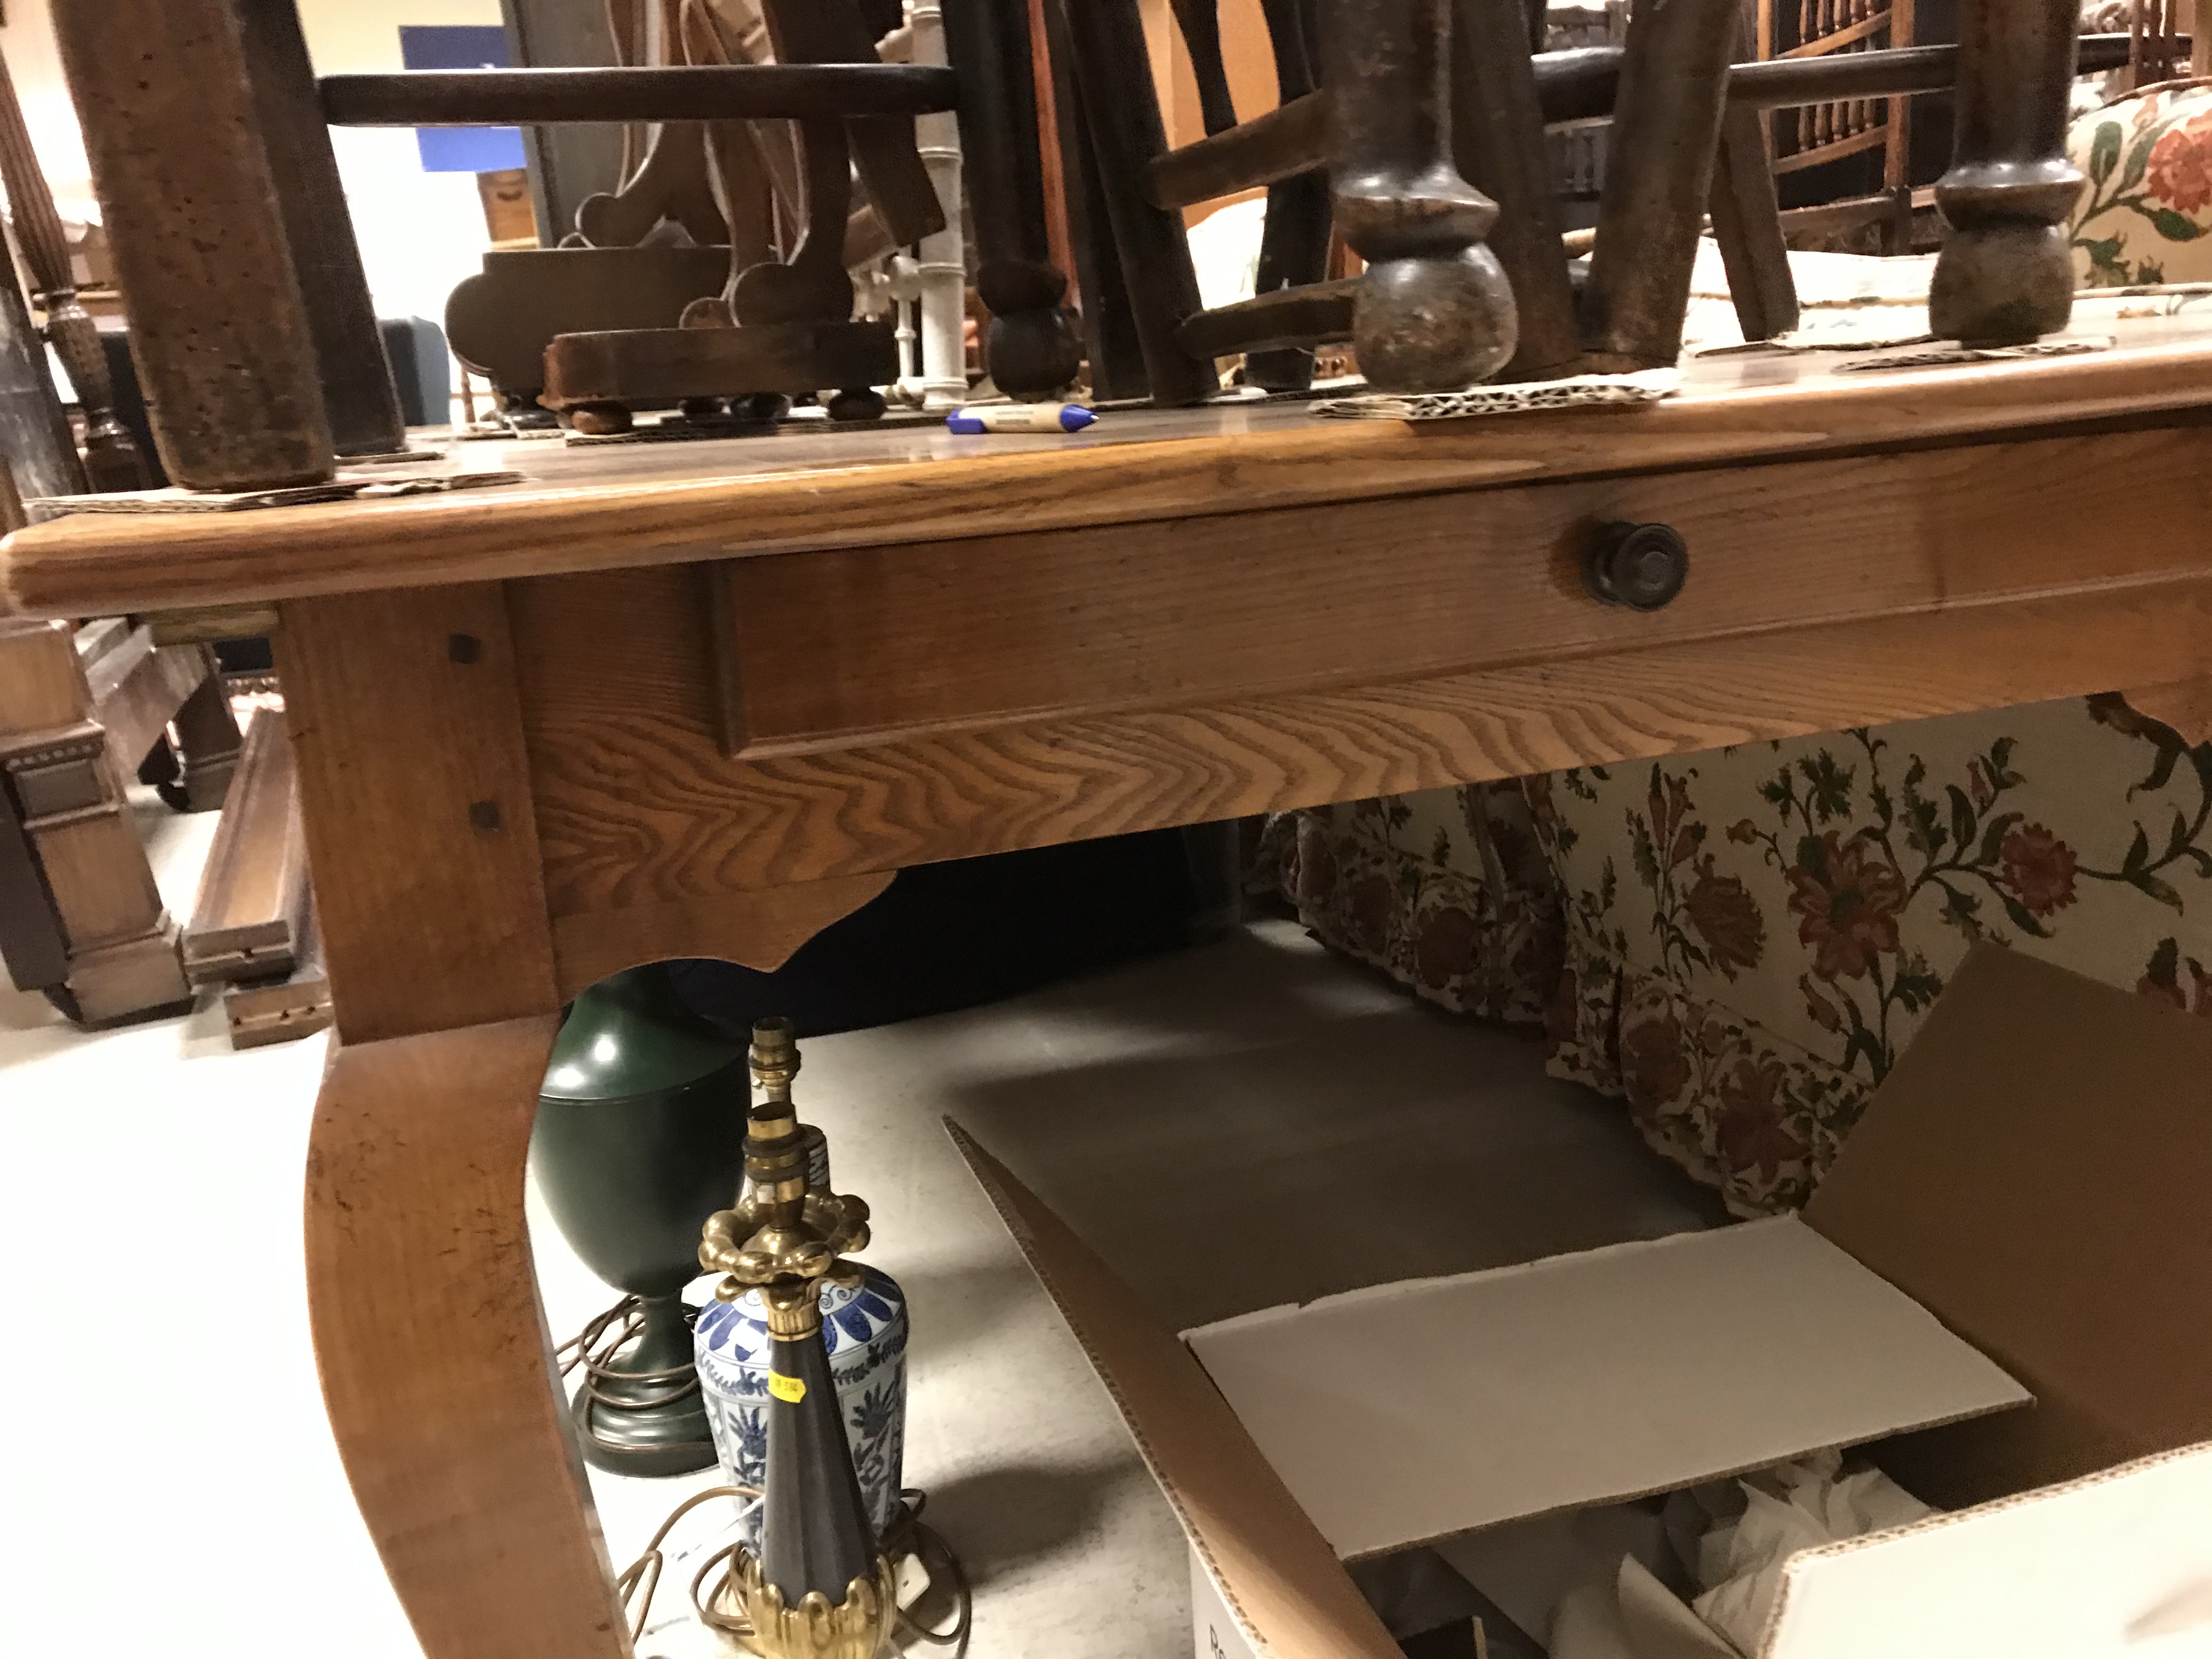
(1817, 135)
(1436, 144)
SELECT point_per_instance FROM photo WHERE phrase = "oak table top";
(626, 505)
(706, 698)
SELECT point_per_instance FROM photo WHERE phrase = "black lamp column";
(821, 1587)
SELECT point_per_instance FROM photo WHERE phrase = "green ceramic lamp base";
(641, 1413)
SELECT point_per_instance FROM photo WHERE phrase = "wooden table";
(679, 700)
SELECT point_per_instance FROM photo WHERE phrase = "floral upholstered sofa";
(1738, 944)
(2145, 214)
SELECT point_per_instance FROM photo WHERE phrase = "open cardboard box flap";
(2110, 1566)
(2037, 1171)
(2035, 1176)
(1276, 1575)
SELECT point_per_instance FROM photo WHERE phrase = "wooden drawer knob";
(1641, 565)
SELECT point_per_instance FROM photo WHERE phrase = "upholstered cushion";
(2145, 214)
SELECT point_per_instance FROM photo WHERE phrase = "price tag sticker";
(789, 1389)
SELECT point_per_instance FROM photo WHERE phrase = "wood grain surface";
(417, 803)
(432, 1349)
(218, 331)
(760, 930)
(653, 504)
(637, 805)
(41, 685)
(251, 908)
(847, 646)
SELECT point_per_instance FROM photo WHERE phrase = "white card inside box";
(1416, 1410)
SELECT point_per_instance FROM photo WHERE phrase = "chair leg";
(2006, 275)
(1434, 312)
(1113, 74)
(1033, 347)
(218, 327)
(358, 392)
(1498, 125)
(1110, 328)
(1294, 241)
(1659, 172)
(1748, 226)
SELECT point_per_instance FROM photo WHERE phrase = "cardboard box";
(2023, 1214)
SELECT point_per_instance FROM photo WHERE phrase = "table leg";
(435, 1363)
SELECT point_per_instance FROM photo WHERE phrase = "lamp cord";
(595, 1346)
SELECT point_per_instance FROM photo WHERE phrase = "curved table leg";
(432, 1345)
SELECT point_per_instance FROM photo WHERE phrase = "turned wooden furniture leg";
(1748, 226)
(2005, 276)
(1033, 347)
(218, 329)
(1110, 329)
(1659, 169)
(432, 1345)
(1434, 312)
(363, 404)
(1294, 241)
(31, 944)
(37, 453)
(1498, 127)
(1114, 74)
(112, 460)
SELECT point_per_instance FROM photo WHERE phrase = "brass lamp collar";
(781, 1240)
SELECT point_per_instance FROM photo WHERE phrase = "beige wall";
(420, 232)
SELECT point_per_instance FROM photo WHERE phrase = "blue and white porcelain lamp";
(864, 1329)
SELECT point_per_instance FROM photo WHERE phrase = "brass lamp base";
(858, 1628)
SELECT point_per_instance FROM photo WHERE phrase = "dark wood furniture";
(511, 718)
(1435, 104)
(2006, 274)
(1814, 134)
(112, 460)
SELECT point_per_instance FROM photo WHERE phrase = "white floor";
(184, 1491)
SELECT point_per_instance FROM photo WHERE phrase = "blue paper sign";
(459, 46)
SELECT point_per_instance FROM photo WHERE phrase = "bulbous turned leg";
(1434, 313)
(1033, 347)
(2006, 274)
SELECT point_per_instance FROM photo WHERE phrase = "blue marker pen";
(1020, 417)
